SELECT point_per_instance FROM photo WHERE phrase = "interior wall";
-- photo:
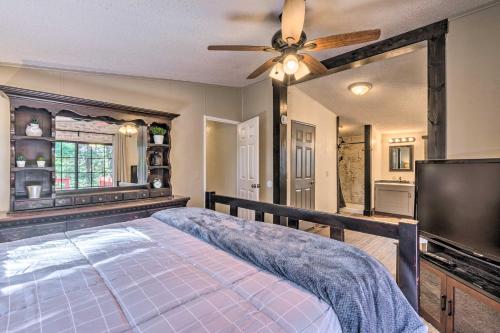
(303, 108)
(376, 158)
(473, 85)
(418, 154)
(257, 100)
(190, 100)
(221, 150)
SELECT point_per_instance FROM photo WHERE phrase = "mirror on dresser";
(68, 151)
(92, 153)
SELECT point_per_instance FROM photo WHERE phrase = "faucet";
(400, 179)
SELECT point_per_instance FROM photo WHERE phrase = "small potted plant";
(40, 161)
(33, 128)
(20, 161)
(158, 134)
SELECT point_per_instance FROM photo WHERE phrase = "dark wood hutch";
(28, 104)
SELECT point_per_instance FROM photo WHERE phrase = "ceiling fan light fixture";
(291, 64)
(302, 71)
(360, 88)
(277, 72)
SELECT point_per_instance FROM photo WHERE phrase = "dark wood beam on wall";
(421, 34)
(367, 211)
(279, 146)
(436, 100)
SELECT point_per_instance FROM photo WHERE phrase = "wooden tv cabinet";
(454, 304)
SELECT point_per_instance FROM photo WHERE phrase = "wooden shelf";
(25, 137)
(32, 168)
(154, 167)
(161, 145)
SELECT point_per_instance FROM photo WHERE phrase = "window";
(83, 165)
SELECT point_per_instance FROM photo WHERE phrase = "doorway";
(302, 180)
(220, 156)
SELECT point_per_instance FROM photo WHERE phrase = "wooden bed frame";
(406, 232)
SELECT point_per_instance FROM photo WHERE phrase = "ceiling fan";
(291, 39)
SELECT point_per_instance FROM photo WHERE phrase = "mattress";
(146, 276)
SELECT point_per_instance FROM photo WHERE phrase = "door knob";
(313, 182)
(255, 185)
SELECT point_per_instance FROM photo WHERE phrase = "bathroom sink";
(393, 182)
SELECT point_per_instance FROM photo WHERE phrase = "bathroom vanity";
(394, 197)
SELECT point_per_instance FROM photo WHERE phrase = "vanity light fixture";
(399, 140)
(128, 129)
(360, 88)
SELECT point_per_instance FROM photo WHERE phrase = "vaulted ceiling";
(168, 39)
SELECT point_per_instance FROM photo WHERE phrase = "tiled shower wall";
(352, 170)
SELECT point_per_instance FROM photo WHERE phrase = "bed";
(190, 270)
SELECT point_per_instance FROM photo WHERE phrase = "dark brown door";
(302, 165)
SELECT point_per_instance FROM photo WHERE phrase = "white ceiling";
(397, 101)
(168, 38)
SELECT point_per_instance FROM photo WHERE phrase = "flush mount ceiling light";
(128, 129)
(360, 88)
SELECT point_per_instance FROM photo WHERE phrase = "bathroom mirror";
(96, 154)
(401, 158)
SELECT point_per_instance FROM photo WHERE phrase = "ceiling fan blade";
(314, 65)
(292, 20)
(240, 48)
(264, 67)
(342, 40)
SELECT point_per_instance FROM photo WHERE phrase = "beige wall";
(190, 100)
(376, 160)
(257, 100)
(473, 85)
(221, 150)
(303, 108)
(418, 154)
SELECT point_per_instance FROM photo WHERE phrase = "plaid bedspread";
(145, 276)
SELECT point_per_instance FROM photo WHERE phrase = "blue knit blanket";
(360, 290)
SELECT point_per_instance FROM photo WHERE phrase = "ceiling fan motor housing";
(279, 44)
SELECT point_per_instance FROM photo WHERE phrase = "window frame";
(77, 169)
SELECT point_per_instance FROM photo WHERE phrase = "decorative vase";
(33, 130)
(157, 183)
(34, 191)
(41, 164)
(21, 164)
(158, 139)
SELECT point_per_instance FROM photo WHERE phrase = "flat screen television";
(458, 202)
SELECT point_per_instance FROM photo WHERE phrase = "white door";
(248, 163)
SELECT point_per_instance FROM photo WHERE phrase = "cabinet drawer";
(83, 200)
(114, 197)
(33, 204)
(161, 192)
(101, 198)
(67, 201)
(134, 195)
(143, 194)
